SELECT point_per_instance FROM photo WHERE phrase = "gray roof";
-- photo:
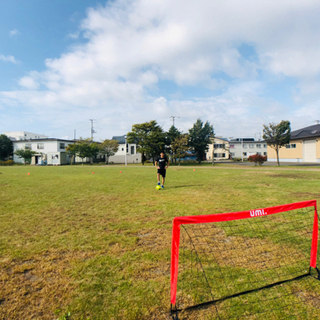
(307, 132)
(120, 139)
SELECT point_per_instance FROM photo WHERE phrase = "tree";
(25, 154)
(149, 138)
(6, 147)
(72, 150)
(277, 135)
(171, 135)
(109, 148)
(200, 136)
(180, 145)
(84, 148)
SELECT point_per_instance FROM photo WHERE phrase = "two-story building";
(127, 152)
(50, 151)
(219, 149)
(246, 147)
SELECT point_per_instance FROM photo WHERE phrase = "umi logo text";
(257, 213)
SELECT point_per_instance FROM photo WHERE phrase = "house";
(219, 149)
(246, 147)
(304, 146)
(23, 135)
(50, 151)
(127, 152)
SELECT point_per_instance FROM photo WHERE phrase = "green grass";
(98, 245)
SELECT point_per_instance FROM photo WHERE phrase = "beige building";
(304, 146)
(219, 149)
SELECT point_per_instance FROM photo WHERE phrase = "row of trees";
(86, 148)
(151, 140)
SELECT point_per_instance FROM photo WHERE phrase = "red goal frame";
(177, 221)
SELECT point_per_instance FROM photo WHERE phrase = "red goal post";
(177, 221)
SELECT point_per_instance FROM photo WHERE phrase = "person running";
(162, 163)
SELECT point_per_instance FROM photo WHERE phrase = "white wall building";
(126, 151)
(49, 151)
(23, 135)
(246, 147)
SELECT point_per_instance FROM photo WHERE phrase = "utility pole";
(173, 117)
(92, 130)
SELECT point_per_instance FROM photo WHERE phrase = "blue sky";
(238, 65)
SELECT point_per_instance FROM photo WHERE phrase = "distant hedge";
(7, 163)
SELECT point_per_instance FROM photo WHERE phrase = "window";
(231, 146)
(40, 145)
(127, 148)
(28, 146)
(244, 153)
(219, 155)
(132, 150)
(218, 145)
(122, 149)
(291, 146)
(265, 146)
(264, 153)
(232, 154)
(62, 146)
(251, 145)
(258, 145)
(259, 153)
(245, 146)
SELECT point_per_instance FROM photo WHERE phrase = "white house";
(126, 152)
(23, 135)
(246, 147)
(49, 151)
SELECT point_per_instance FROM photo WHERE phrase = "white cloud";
(13, 32)
(28, 83)
(8, 59)
(134, 46)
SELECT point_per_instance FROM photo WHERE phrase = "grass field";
(97, 246)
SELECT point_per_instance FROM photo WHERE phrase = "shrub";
(7, 163)
(257, 158)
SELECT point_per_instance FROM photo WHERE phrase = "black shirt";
(162, 162)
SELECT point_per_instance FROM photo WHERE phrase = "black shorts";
(162, 172)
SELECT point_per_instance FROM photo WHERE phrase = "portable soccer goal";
(255, 264)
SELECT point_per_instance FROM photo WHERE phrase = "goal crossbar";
(178, 221)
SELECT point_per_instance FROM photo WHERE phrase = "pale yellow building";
(219, 149)
(304, 146)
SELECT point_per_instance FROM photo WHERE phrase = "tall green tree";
(200, 136)
(180, 145)
(25, 154)
(149, 138)
(277, 135)
(109, 148)
(171, 135)
(84, 148)
(6, 147)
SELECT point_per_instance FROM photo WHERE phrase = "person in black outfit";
(161, 163)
